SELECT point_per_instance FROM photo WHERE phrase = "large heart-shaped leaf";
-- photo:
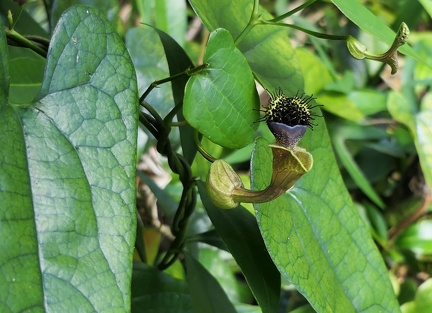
(221, 101)
(67, 175)
(316, 237)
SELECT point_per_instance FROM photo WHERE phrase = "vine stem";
(24, 42)
(307, 31)
(292, 12)
(201, 149)
(21, 9)
(252, 22)
(412, 218)
(255, 19)
(156, 83)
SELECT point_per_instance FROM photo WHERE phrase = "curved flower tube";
(226, 189)
(288, 119)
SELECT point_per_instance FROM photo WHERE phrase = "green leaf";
(419, 122)
(210, 237)
(339, 104)
(67, 176)
(26, 23)
(423, 300)
(402, 109)
(266, 48)
(206, 294)
(110, 8)
(178, 61)
(224, 271)
(239, 231)
(316, 237)
(26, 71)
(343, 132)
(4, 67)
(148, 56)
(312, 68)
(427, 6)
(368, 101)
(221, 101)
(157, 292)
(417, 238)
(171, 17)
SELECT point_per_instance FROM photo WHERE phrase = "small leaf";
(148, 56)
(368, 101)
(171, 17)
(206, 294)
(350, 131)
(157, 292)
(26, 71)
(419, 123)
(417, 238)
(239, 231)
(402, 110)
(312, 67)
(339, 104)
(224, 270)
(178, 61)
(423, 300)
(221, 101)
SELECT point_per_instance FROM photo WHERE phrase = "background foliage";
(353, 235)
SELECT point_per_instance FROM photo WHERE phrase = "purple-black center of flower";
(291, 111)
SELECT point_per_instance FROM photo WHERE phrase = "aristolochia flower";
(288, 119)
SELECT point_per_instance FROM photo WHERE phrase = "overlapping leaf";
(266, 48)
(221, 101)
(67, 177)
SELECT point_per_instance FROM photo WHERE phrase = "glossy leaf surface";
(221, 101)
(316, 237)
(109, 8)
(266, 48)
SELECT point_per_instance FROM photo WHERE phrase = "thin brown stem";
(393, 232)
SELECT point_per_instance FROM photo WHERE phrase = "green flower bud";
(226, 190)
(389, 57)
